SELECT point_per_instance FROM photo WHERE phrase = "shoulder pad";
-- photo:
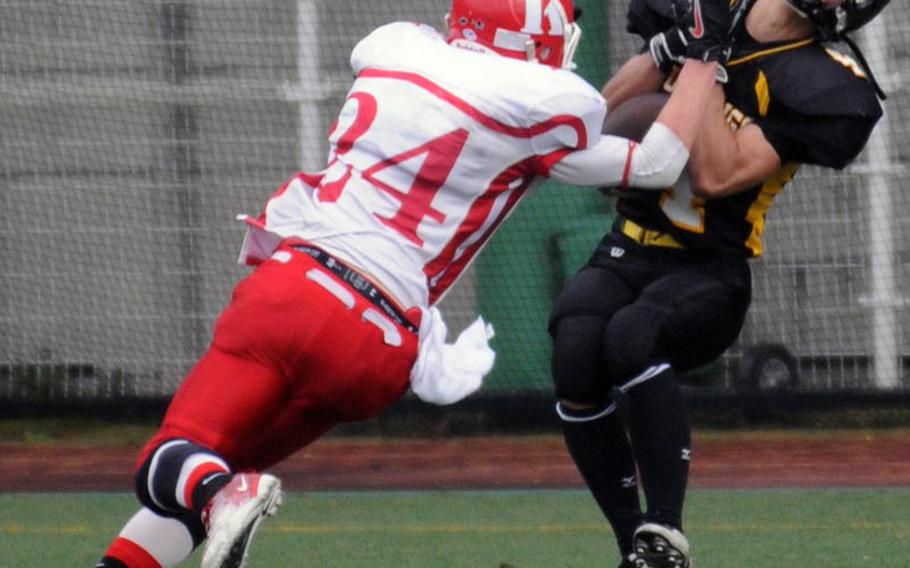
(820, 81)
(387, 39)
(570, 95)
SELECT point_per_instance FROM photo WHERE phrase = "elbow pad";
(657, 162)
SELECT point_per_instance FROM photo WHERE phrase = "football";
(633, 118)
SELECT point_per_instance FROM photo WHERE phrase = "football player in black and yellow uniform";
(667, 290)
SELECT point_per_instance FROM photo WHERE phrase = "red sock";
(130, 554)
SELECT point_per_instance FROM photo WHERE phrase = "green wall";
(548, 237)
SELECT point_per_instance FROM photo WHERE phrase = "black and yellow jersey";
(813, 104)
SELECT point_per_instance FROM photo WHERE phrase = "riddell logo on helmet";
(469, 46)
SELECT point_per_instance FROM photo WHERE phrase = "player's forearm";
(636, 77)
(657, 162)
(715, 152)
(724, 162)
(618, 162)
(684, 112)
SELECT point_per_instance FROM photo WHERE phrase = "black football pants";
(632, 306)
(631, 318)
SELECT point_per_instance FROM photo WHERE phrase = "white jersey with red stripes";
(434, 147)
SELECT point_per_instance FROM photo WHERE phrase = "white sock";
(167, 540)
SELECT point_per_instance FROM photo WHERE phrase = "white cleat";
(233, 515)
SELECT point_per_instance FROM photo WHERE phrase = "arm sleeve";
(618, 162)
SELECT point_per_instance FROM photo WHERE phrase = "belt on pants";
(359, 284)
(647, 237)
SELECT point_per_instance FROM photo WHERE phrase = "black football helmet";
(832, 22)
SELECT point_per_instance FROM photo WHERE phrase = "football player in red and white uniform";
(438, 140)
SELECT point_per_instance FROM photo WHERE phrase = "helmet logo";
(699, 29)
(534, 14)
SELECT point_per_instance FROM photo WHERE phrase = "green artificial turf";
(830, 528)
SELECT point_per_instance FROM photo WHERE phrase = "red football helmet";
(543, 31)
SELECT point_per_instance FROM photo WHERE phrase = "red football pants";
(288, 361)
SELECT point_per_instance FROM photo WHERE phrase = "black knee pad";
(171, 461)
(191, 520)
(631, 341)
(577, 365)
(160, 472)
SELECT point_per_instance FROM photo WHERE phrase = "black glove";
(669, 48)
(704, 26)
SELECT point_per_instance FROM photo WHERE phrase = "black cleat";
(661, 546)
(634, 561)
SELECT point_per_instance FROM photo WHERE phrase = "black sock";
(207, 488)
(603, 455)
(661, 435)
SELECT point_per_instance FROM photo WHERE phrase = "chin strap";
(862, 61)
